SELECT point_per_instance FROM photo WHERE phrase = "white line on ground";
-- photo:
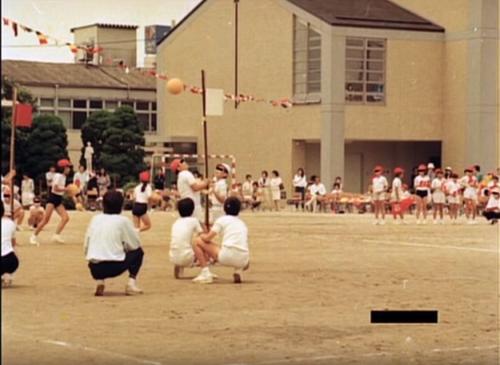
(427, 245)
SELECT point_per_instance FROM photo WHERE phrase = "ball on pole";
(175, 86)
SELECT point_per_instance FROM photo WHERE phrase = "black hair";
(336, 185)
(399, 174)
(144, 186)
(185, 207)
(255, 183)
(264, 172)
(495, 177)
(232, 206)
(2, 209)
(301, 172)
(112, 202)
(478, 168)
(248, 175)
(275, 172)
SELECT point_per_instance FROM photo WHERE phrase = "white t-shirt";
(8, 233)
(234, 232)
(6, 206)
(220, 188)
(493, 203)
(182, 233)
(317, 189)
(469, 182)
(379, 184)
(108, 237)
(49, 176)
(299, 181)
(422, 182)
(81, 179)
(247, 188)
(437, 184)
(452, 187)
(142, 196)
(397, 186)
(59, 180)
(184, 181)
(275, 183)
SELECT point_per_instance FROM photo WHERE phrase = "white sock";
(131, 281)
(100, 282)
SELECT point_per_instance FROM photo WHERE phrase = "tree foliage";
(92, 131)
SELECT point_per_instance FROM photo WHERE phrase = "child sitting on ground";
(10, 263)
(181, 245)
(234, 249)
(36, 213)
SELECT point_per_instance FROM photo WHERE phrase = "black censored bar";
(407, 316)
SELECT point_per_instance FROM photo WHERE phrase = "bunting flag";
(14, 28)
(24, 115)
(41, 38)
(6, 21)
(25, 28)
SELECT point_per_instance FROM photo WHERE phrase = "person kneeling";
(234, 250)
(112, 245)
(10, 262)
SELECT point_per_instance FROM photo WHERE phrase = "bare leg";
(137, 222)
(146, 221)
(64, 218)
(46, 218)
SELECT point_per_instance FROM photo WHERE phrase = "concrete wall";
(123, 44)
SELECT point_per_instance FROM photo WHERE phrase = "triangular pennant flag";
(24, 115)
(41, 38)
(14, 28)
(6, 21)
(25, 28)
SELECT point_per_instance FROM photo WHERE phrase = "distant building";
(152, 35)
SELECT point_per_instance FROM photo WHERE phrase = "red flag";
(41, 38)
(5, 21)
(24, 115)
(14, 28)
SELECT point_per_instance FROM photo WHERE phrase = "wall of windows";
(306, 59)
(74, 112)
(365, 70)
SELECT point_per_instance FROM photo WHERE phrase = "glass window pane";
(96, 104)
(313, 87)
(300, 78)
(376, 43)
(78, 119)
(375, 98)
(47, 102)
(66, 118)
(64, 103)
(314, 65)
(355, 87)
(354, 97)
(375, 88)
(300, 88)
(153, 105)
(355, 53)
(314, 54)
(153, 122)
(375, 76)
(375, 65)
(128, 103)
(80, 103)
(142, 105)
(313, 76)
(47, 112)
(354, 76)
(375, 55)
(111, 104)
(300, 67)
(354, 65)
(144, 121)
(356, 42)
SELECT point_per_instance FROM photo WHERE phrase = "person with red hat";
(397, 195)
(54, 202)
(379, 188)
(438, 197)
(452, 190)
(422, 184)
(188, 186)
(492, 210)
(142, 194)
(470, 184)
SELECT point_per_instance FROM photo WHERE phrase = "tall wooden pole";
(12, 148)
(205, 139)
(236, 53)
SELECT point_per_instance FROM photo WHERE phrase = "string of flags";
(43, 39)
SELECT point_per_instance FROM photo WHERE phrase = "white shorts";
(438, 197)
(233, 257)
(380, 196)
(183, 258)
(276, 194)
(470, 193)
(453, 199)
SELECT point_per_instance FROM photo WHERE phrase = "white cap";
(430, 165)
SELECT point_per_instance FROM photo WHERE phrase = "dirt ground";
(305, 300)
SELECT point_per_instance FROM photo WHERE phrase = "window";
(111, 104)
(365, 70)
(95, 104)
(142, 105)
(128, 103)
(144, 121)
(153, 123)
(306, 59)
(80, 104)
(78, 119)
(64, 103)
(65, 117)
(47, 103)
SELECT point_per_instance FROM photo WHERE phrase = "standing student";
(18, 215)
(219, 191)
(27, 191)
(422, 184)
(397, 195)
(54, 202)
(317, 193)
(265, 185)
(103, 181)
(112, 245)
(247, 190)
(452, 191)
(300, 185)
(49, 176)
(256, 196)
(438, 196)
(188, 186)
(276, 183)
(10, 262)
(142, 194)
(469, 184)
(379, 188)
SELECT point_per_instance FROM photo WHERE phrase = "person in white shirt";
(422, 184)
(247, 190)
(300, 185)
(379, 188)
(6, 180)
(470, 184)
(10, 262)
(112, 245)
(142, 194)
(265, 185)
(317, 192)
(49, 176)
(18, 215)
(234, 251)
(36, 213)
(452, 190)
(54, 202)
(27, 191)
(397, 195)
(218, 193)
(184, 229)
(188, 186)
(438, 196)
(492, 210)
(276, 183)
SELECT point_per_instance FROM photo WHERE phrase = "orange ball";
(72, 190)
(175, 86)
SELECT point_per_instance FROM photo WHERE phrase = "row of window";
(74, 112)
(364, 65)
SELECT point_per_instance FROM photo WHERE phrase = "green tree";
(122, 148)
(45, 145)
(92, 131)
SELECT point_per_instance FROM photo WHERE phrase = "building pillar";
(332, 106)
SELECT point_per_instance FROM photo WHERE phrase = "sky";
(56, 17)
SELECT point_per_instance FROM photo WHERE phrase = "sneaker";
(34, 240)
(6, 281)
(214, 275)
(132, 289)
(99, 290)
(205, 277)
(178, 271)
(57, 238)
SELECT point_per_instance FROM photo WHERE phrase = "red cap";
(438, 171)
(63, 163)
(398, 170)
(174, 166)
(378, 168)
(469, 169)
(422, 167)
(144, 176)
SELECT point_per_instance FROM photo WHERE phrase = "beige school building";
(395, 83)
